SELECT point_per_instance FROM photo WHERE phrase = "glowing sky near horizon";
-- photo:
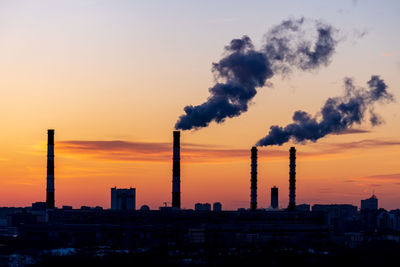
(104, 71)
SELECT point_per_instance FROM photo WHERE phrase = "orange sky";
(112, 79)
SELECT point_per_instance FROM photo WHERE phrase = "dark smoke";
(337, 115)
(286, 46)
(244, 69)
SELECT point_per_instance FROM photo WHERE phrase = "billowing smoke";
(243, 69)
(337, 115)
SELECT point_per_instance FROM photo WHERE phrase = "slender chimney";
(176, 171)
(292, 179)
(274, 197)
(253, 200)
(50, 170)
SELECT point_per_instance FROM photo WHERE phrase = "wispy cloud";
(376, 180)
(118, 150)
(156, 152)
(363, 144)
(392, 177)
(353, 131)
(391, 54)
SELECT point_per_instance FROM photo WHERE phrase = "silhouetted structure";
(369, 213)
(253, 181)
(292, 179)
(303, 207)
(123, 198)
(144, 208)
(343, 217)
(217, 206)
(202, 207)
(274, 197)
(50, 201)
(39, 206)
(149, 229)
(176, 171)
(369, 203)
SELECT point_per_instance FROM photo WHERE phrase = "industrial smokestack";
(176, 171)
(253, 200)
(274, 197)
(50, 170)
(292, 179)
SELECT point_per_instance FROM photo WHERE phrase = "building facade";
(123, 198)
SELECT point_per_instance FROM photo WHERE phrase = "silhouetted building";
(369, 213)
(202, 207)
(151, 229)
(303, 207)
(144, 208)
(343, 217)
(123, 199)
(274, 197)
(253, 180)
(386, 221)
(292, 179)
(217, 206)
(369, 203)
(50, 200)
(176, 171)
(39, 206)
(337, 210)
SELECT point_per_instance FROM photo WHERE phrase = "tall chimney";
(253, 200)
(274, 197)
(50, 170)
(176, 171)
(292, 179)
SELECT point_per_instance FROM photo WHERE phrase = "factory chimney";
(176, 171)
(292, 179)
(253, 199)
(274, 197)
(50, 170)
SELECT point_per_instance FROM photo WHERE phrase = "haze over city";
(113, 80)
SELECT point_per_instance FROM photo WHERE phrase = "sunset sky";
(112, 78)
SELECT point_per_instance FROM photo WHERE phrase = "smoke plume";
(243, 69)
(337, 115)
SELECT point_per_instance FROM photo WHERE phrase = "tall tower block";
(50, 201)
(176, 171)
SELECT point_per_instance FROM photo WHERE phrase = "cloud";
(375, 180)
(363, 144)
(384, 177)
(353, 131)
(161, 152)
(118, 150)
(390, 54)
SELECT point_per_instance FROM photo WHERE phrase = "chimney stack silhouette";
(253, 181)
(274, 197)
(292, 179)
(50, 170)
(176, 171)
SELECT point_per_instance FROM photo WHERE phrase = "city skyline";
(112, 80)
